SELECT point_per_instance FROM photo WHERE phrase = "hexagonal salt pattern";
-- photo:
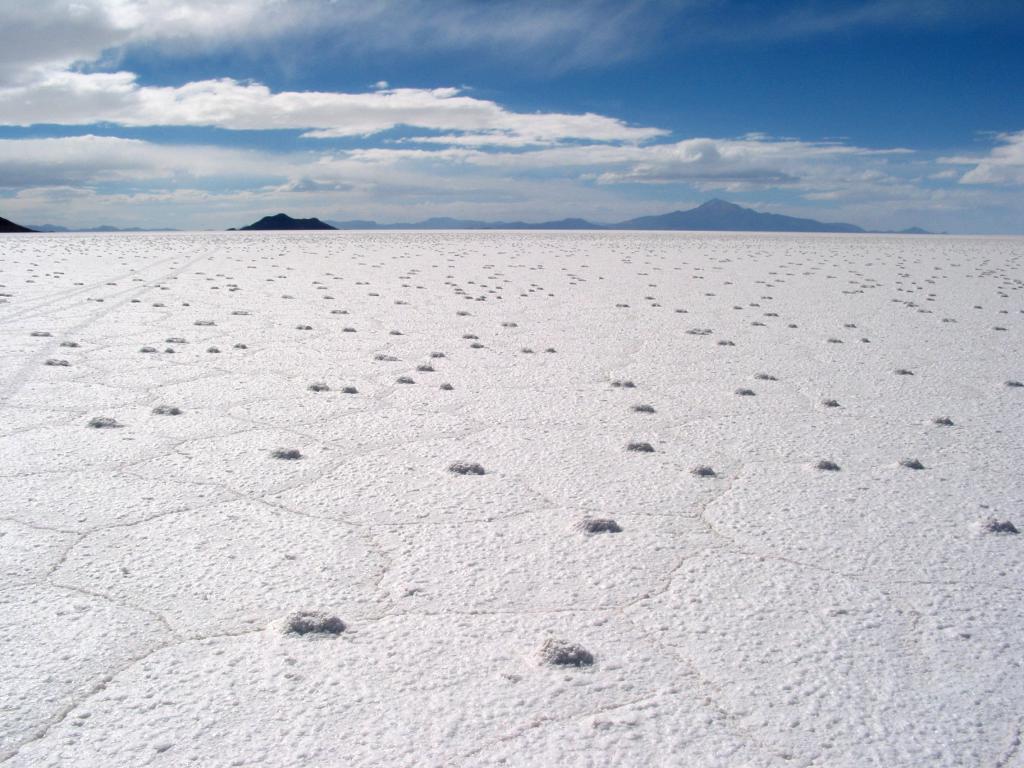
(556, 498)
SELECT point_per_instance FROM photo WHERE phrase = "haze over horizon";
(152, 113)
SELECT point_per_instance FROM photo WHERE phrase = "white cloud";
(89, 160)
(1004, 164)
(76, 98)
(704, 162)
(44, 36)
(754, 160)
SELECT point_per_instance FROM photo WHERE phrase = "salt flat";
(770, 613)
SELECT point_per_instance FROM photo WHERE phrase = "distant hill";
(714, 215)
(443, 222)
(560, 224)
(354, 224)
(10, 226)
(285, 222)
(48, 228)
(438, 222)
(719, 215)
(101, 228)
(108, 228)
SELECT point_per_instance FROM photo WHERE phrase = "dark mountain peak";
(283, 221)
(10, 226)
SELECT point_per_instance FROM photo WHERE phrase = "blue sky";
(209, 114)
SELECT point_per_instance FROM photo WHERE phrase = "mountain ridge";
(715, 215)
(718, 215)
(58, 229)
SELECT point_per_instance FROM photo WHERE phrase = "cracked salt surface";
(769, 615)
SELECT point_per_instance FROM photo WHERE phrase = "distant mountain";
(560, 224)
(108, 228)
(572, 224)
(354, 224)
(912, 231)
(714, 215)
(719, 215)
(48, 228)
(286, 222)
(102, 228)
(444, 222)
(10, 226)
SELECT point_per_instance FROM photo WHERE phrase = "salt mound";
(999, 526)
(313, 622)
(561, 653)
(465, 468)
(598, 525)
(103, 422)
(167, 410)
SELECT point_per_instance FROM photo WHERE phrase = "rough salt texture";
(174, 596)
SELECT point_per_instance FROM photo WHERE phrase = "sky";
(208, 114)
